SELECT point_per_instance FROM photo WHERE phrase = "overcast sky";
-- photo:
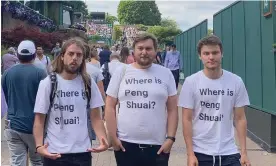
(186, 13)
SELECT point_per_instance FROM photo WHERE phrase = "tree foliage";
(210, 32)
(77, 6)
(117, 33)
(164, 34)
(167, 22)
(138, 12)
(111, 19)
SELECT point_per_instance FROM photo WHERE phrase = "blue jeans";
(70, 159)
(20, 144)
(227, 160)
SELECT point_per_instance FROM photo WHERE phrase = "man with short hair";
(143, 130)
(65, 97)
(173, 61)
(56, 50)
(20, 84)
(114, 63)
(211, 100)
(45, 60)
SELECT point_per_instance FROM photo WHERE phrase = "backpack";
(106, 76)
(54, 83)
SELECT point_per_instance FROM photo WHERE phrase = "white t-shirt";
(94, 72)
(113, 65)
(70, 100)
(143, 95)
(213, 103)
(43, 60)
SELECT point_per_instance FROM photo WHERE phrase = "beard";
(144, 61)
(71, 70)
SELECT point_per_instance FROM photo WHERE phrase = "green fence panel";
(238, 33)
(203, 33)
(247, 37)
(268, 63)
(227, 38)
(253, 52)
(197, 38)
(187, 45)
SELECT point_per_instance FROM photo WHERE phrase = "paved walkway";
(257, 155)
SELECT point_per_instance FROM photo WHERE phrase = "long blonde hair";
(58, 65)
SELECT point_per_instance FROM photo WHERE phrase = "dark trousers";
(72, 159)
(141, 155)
(176, 76)
(228, 160)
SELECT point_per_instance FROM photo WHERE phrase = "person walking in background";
(20, 84)
(9, 59)
(4, 107)
(173, 61)
(104, 55)
(56, 50)
(126, 56)
(212, 100)
(45, 60)
(94, 59)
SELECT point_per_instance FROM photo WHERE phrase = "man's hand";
(192, 160)
(166, 147)
(244, 160)
(44, 152)
(103, 147)
(117, 145)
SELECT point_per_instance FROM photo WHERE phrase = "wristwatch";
(171, 138)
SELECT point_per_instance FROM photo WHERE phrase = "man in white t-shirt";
(45, 60)
(66, 140)
(212, 100)
(147, 119)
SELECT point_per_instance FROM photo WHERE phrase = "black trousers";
(227, 160)
(72, 159)
(141, 155)
(176, 76)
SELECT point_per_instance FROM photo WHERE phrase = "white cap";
(26, 47)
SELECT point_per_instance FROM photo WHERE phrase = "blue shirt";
(173, 60)
(20, 84)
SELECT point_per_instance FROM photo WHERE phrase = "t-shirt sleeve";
(115, 81)
(171, 85)
(42, 101)
(96, 97)
(186, 97)
(99, 76)
(241, 98)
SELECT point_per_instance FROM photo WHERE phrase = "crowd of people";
(126, 99)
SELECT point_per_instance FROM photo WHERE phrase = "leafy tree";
(210, 32)
(138, 12)
(111, 19)
(167, 22)
(164, 34)
(77, 6)
(117, 33)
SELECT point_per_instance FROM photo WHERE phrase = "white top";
(94, 72)
(213, 102)
(142, 94)
(71, 136)
(113, 65)
(43, 60)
